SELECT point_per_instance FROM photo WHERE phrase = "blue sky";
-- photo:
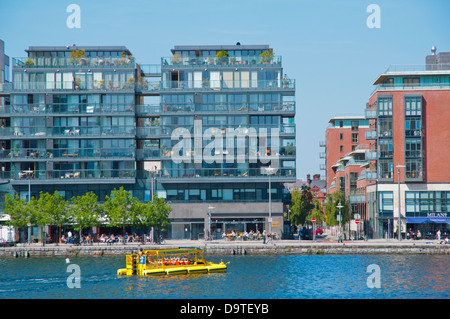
(326, 45)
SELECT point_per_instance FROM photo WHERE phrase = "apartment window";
(423, 202)
(385, 147)
(341, 123)
(385, 127)
(390, 82)
(413, 168)
(385, 169)
(413, 127)
(355, 137)
(413, 147)
(386, 202)
(355, 125)
(341, 136)
(341, 148)
(413, 106)
(384, 106)
(410, 82)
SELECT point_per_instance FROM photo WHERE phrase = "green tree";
(53, 210)
(17, 209)
(331, 211)
(302, 204)
(84, 211)
(316, 213)
(162, 211)
(119, 208)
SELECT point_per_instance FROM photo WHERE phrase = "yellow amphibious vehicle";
(169, 262)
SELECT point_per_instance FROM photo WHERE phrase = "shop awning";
(424, 220)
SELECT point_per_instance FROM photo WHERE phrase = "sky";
(326, 45)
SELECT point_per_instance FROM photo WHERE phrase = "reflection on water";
(285, 276)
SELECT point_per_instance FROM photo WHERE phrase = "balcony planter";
(175, 59)
(266, 57)
(222, 57)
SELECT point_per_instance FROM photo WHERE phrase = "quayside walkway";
(222, 247)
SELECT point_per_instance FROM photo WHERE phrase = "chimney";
(308, 178)
(316, 177)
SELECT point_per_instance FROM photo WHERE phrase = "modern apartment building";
(236, 112)
(199, 129)
(345, 136)
(409, 116)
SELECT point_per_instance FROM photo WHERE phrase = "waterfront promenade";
(222, 247)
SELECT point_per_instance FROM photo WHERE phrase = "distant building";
(409, 133)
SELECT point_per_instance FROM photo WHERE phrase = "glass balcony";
(91, 108)
(73, 175)
(73, 131)
(225, 173)
(70, 62)
(150, 69)
(143, 132)
(217, 85)
(148, 154)
(371, 135)
(239, 107)
(148, 109)
(182, 61)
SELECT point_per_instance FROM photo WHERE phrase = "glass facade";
(200, 127)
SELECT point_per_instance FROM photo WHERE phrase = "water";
(255, 277)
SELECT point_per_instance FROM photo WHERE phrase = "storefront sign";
(437, 215)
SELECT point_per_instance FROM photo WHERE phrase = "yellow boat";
(169, 262)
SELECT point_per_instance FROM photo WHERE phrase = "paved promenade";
(223, 247)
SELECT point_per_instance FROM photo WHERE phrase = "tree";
(53, 208)
(23, 214)
(316, 213)
(84, 211)
(162, 211)
(331, 211)
(302, 204)
(143, 215)
(119, 207)
(16, 208)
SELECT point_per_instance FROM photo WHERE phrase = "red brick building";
(409, 133)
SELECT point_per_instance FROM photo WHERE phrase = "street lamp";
(399, 206)
(29, 174)
(210, 208)
(339, 216)
(270, 171)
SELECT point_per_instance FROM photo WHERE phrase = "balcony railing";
(71, 175)
(70, 62)
(68, 131)
(66, 153)
(177, 61)
(216, 85)
(55, 108)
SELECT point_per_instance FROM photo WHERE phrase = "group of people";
(418, 235)
(245, 235)
(72, 238)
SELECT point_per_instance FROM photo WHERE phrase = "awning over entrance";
(424, 220)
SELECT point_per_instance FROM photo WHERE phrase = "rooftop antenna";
(433, 50)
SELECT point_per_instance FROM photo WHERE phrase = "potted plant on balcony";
(77, 57)
(222, 57)
(77, 83)
(266, 56)
(286, 82)
(29, 62)
(175, 59)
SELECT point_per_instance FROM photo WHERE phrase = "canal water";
(248, 277)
